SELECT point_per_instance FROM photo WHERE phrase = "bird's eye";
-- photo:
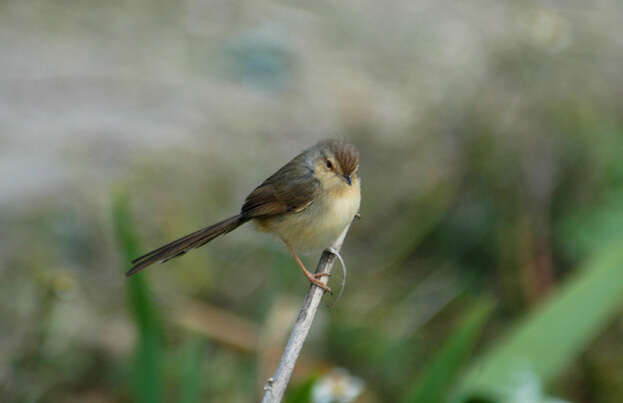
(329, 164)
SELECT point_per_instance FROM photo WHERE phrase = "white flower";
(337, 386)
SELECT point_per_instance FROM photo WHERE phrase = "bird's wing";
(291, 189)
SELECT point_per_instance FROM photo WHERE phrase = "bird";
(307, 204)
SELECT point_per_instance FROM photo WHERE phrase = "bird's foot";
(320, 284)
(321, 275)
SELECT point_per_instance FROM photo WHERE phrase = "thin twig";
(277, 384)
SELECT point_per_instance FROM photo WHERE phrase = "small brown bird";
(307, 204)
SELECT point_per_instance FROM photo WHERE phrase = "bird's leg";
(313, 278)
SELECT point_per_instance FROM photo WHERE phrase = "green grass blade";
(433, 384)
(146, 381)
(189, 392)
(546, 341)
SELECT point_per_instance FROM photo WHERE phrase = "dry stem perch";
(277, 384)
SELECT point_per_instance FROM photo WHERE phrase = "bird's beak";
(348, 180)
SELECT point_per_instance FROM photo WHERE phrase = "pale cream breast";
(321, 222)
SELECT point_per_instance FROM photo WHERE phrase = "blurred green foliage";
(544, 344)
(302, 392)
(439, 375)
(147, 377)
(191, 376)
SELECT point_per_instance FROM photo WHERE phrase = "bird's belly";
(318, 225)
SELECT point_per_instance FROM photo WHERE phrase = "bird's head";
(336, 164)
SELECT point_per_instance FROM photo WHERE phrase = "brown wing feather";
(290, 189)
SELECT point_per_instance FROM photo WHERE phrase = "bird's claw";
(320, 285)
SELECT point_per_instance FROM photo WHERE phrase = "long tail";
(185, 243)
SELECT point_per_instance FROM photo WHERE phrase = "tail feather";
(185, 243)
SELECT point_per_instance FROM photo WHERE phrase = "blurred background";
(488, 264)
